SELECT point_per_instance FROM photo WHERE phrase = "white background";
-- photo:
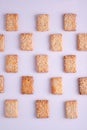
(28, 11)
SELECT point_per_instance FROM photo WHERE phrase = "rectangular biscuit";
(70, 63)
(1, 84)
(43, 22)
(70, 22)
(42, 108)
(27, 84)
(2, 42)
(11, 108)
(56, 85)
(42, 63)
(11, 22)
(56, 42)
(12, 63)
(26, 41)
(71, 108)
(82, 42)
(83, 85)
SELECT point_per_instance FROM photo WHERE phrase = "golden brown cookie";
(42, 63)
(2, 42)
(26, 41)
(71, 109)
(82, 42)
(83, 85)
(11, 22)
(1, 84)
(43, 22)
(56, 42)
(70, 63)
(42, 108)
(70, 22)
(12, 63)
(27, 85)
(56, 84)
(11, 108)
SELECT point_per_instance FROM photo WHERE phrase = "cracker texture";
(11, 108)
(2, 42)
(43, 22)
(12, 63)
(70, 63)
(11, 22)
(83, 85)
(56, 84)
(27, 84)
(42, 108)
(26, 41)
(82, 42)
(56, 42)
(42, 63)
(1, 84)
(70, 22)
(71, 109)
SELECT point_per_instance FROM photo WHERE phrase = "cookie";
(27, 84)
(43, 22)
(70, 22)
(1, 84)
(2, 42)
(11, 108)
(56, 42)
(82, 42)
(56, 85)
(71, 109)
(42, 63)
(11, 22)
(83, 85)
(42, 108)
(70, 63)
(12, 63)
(26, 41)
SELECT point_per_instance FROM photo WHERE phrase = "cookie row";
(56, 85)
(42, 22)
(42, 109)
(42, 63)
(56, 42)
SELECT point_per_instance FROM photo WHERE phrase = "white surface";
(27, 11)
